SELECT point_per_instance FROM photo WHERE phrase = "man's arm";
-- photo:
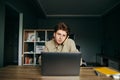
(72, 46)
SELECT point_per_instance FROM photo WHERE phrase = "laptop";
(60, 64)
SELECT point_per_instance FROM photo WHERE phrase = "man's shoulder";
(50, 42)
(70, 40)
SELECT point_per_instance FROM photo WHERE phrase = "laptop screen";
(60, 64)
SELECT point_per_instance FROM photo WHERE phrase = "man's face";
(60, 36)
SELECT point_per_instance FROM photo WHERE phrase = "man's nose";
(61, 36)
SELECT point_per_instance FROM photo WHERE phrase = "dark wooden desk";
(33, 73)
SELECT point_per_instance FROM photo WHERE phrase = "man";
(61, 41)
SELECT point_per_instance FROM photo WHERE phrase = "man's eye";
(63, 35)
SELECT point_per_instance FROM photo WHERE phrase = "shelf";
(29, 41)
(41, 41)
(28, 52)
(33, 44)
(29, 64)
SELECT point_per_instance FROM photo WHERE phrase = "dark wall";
(111, 23)
(30, 19)
(87, 30)
(2, 18)
(29, 14)
(11, 36)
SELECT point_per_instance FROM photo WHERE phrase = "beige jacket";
(67, 46)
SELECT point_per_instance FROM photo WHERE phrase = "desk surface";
(33, 73)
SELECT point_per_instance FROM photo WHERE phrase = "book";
(39, 48)
(106, 70)
(28, 60)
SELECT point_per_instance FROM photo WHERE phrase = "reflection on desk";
(60, 78)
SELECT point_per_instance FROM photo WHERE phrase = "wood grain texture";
(34, 73)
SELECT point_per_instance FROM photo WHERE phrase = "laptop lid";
(60, 64)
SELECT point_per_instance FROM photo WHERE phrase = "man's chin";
(59, 43)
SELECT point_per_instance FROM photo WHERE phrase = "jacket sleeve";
(45, 48)
(72, 46)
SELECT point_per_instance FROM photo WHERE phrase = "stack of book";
(107, 71)
(39, 48)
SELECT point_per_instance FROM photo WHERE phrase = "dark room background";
(94, 34)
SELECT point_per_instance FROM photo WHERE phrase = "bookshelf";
(33, 44)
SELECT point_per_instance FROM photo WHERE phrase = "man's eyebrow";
(58, 33)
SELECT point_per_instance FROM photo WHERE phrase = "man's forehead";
(61, 32)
